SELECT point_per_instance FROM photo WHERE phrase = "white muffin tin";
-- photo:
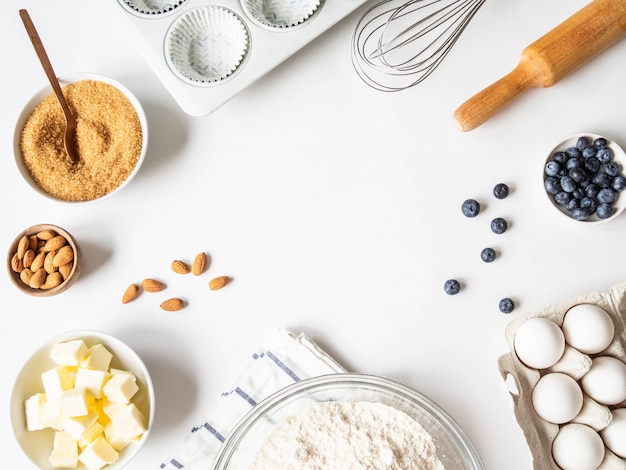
(207, 51)
(521, 379)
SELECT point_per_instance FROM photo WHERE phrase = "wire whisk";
(398, 43)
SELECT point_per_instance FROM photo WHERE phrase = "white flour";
(348, 436)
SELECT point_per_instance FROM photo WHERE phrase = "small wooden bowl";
(69, 279)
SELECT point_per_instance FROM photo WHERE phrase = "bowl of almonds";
(44, 260)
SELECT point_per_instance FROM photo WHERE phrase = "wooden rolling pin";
(546, 61)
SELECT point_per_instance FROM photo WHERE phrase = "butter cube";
(76, 426)
(98, 454)
(64, 451)
(120, 388)
(32, 406)
(56, 381)
(92, 381)
(129, 422)
(115, 438)
(69, 353)
(98, 357)
(74, 402)
(91, 433)
(51, 416)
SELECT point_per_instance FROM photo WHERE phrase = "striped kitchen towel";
(285, 358)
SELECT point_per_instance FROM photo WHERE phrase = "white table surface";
(335, 208)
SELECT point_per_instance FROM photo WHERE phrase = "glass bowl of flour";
(348, 421)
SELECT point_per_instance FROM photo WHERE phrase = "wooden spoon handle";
(45, 62)
(546, 61)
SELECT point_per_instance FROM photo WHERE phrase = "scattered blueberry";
(501, 191)
(452, 287)
(499, 225)
(506, 305)
(488, 255)
(584, 179)
(470, 208)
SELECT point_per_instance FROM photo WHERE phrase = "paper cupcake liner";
(280, 13)
(206, 45)
(152, 7)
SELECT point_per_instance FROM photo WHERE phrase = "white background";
(335, 208)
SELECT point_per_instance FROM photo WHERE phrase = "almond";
(130, 294)
(38, 278)
(66, 269)
(25, 276)
(152, 285)
(29, 256)
(180, 267)
(199, 264)
(46, 234)
(52, 280)
(38, 261)
(172, 305)
(219, 282)
(17, 264)
(34, 242)
(63, 256)
(47, 262)
(22, 246)
(55, 243)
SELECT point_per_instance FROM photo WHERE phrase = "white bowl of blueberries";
(583, 177)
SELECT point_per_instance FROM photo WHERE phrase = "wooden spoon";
(69, 138)
(581, 37)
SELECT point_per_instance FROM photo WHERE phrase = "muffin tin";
(521, 380)
(207, 51)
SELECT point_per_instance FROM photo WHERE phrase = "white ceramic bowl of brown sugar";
(44, 260)
(111, 140)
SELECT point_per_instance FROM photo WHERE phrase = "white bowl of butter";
(83, 398)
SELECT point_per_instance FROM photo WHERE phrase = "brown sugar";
(108, 142)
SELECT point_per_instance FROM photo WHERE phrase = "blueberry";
(562, 198)
(602, 180)
(552, 185)
(605, 155)
(568, 184)
(452, 287)
(501, 191)
(578, 175)
(611, 169)
(580, 213)
(600, 143)
(574, 162)
(560, 157)
(582, 142)
(589, 152)
(573, 152)
(506, 305)
(470, 208)
(592, 190)
(604, 211)
(572, 204)
(552, 168)
(499, 225)
(578, 193)
(592, 165)
(619, 183)
(588, 203)
(606, 196)
(488, 255)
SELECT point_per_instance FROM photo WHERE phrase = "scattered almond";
(199, 264)
(152, 285)
(180, 267)
(38, 278)
(218, 282)
(172, 305)
(22, 246)
(130, 294)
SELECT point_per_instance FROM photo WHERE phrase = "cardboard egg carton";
(521, 379)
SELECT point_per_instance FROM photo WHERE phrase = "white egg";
(614, 435)
(557, 398)
(605, 381)
(539, 343)
(588, 328)
(577, 447)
